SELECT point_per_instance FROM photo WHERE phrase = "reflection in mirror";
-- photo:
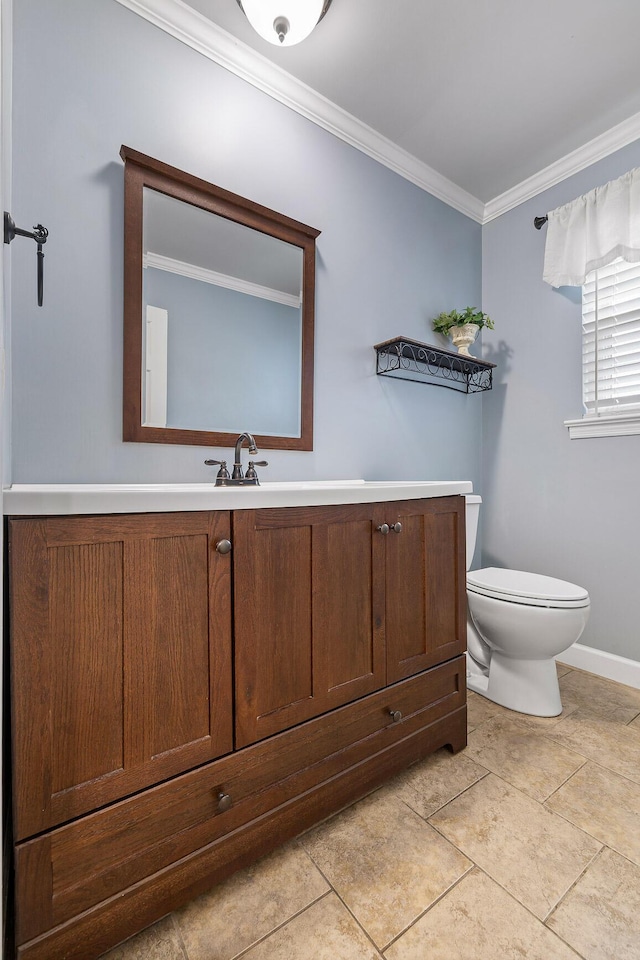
(219, 298)
(218, 314)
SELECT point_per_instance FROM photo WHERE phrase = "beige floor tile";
(428, 785)
(607, 742)
(635, 722)
(562, 669)
(484, 710)
(159, 942)
(385, 862)
(252, 903)
(479, 709)
(599, 697)
(615, 822)
(531, 852)
(325, 931)
(541, 723)
(478, 920)
(600, 917)
(517, 753)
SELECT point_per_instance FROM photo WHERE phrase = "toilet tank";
(471, 520)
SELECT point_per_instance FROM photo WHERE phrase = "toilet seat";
(531, 589)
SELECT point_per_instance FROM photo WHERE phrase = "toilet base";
(527, 686)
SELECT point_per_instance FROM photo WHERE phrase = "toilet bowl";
(518, 623)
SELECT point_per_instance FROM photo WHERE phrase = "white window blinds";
(611, 340)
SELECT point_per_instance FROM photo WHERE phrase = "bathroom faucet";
(237, 478)
(237, 465)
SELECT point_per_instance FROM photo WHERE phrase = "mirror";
(218, 314)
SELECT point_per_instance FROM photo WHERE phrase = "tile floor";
(524, 845)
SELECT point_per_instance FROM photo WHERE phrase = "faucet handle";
(251, 469)
(223, 473)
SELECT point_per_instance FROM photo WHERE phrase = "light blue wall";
(390, 256)
(566, 508)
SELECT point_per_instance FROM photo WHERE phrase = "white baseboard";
(608, 665)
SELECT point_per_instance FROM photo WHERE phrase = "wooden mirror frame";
(141, 171)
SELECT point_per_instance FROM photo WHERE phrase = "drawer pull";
(224, 802)
(396, 527)
(383, 528)
(223, 546)
(395, 715)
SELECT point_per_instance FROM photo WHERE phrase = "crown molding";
(194, 272)
(601, 146)
(199, 33)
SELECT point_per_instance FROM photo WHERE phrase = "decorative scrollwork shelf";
(410, 360)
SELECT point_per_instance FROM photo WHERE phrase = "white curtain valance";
(593, 230)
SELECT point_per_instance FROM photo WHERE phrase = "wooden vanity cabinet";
(425, 585)
(334, 602)
(309, 613)
(120, 657)
(141, 775)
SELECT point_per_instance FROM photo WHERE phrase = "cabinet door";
(120, 657)
(309, 612)
(425, 584)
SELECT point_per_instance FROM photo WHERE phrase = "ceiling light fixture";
(284, 22)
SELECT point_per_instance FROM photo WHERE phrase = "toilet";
(517, 624)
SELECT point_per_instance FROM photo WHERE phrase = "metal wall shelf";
(408, 359)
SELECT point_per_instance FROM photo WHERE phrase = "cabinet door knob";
(223, 546)
(395, 715)
(396, 527)
(224, 802)
(383, 528)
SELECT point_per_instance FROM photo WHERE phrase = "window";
(610, 352)
(611, 339)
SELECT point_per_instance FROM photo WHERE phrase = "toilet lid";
(520, 587)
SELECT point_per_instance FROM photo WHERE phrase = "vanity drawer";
(78, 866)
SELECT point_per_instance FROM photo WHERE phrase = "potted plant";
(462, 327)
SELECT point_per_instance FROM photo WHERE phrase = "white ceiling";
(486, 93)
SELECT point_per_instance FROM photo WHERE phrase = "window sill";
(617, 426)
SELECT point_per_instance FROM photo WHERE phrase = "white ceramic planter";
(464, 336)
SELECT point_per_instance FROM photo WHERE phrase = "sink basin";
(43, 499)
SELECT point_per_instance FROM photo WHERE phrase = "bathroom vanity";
(200, 674)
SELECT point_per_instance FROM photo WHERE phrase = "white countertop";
(56, 499)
